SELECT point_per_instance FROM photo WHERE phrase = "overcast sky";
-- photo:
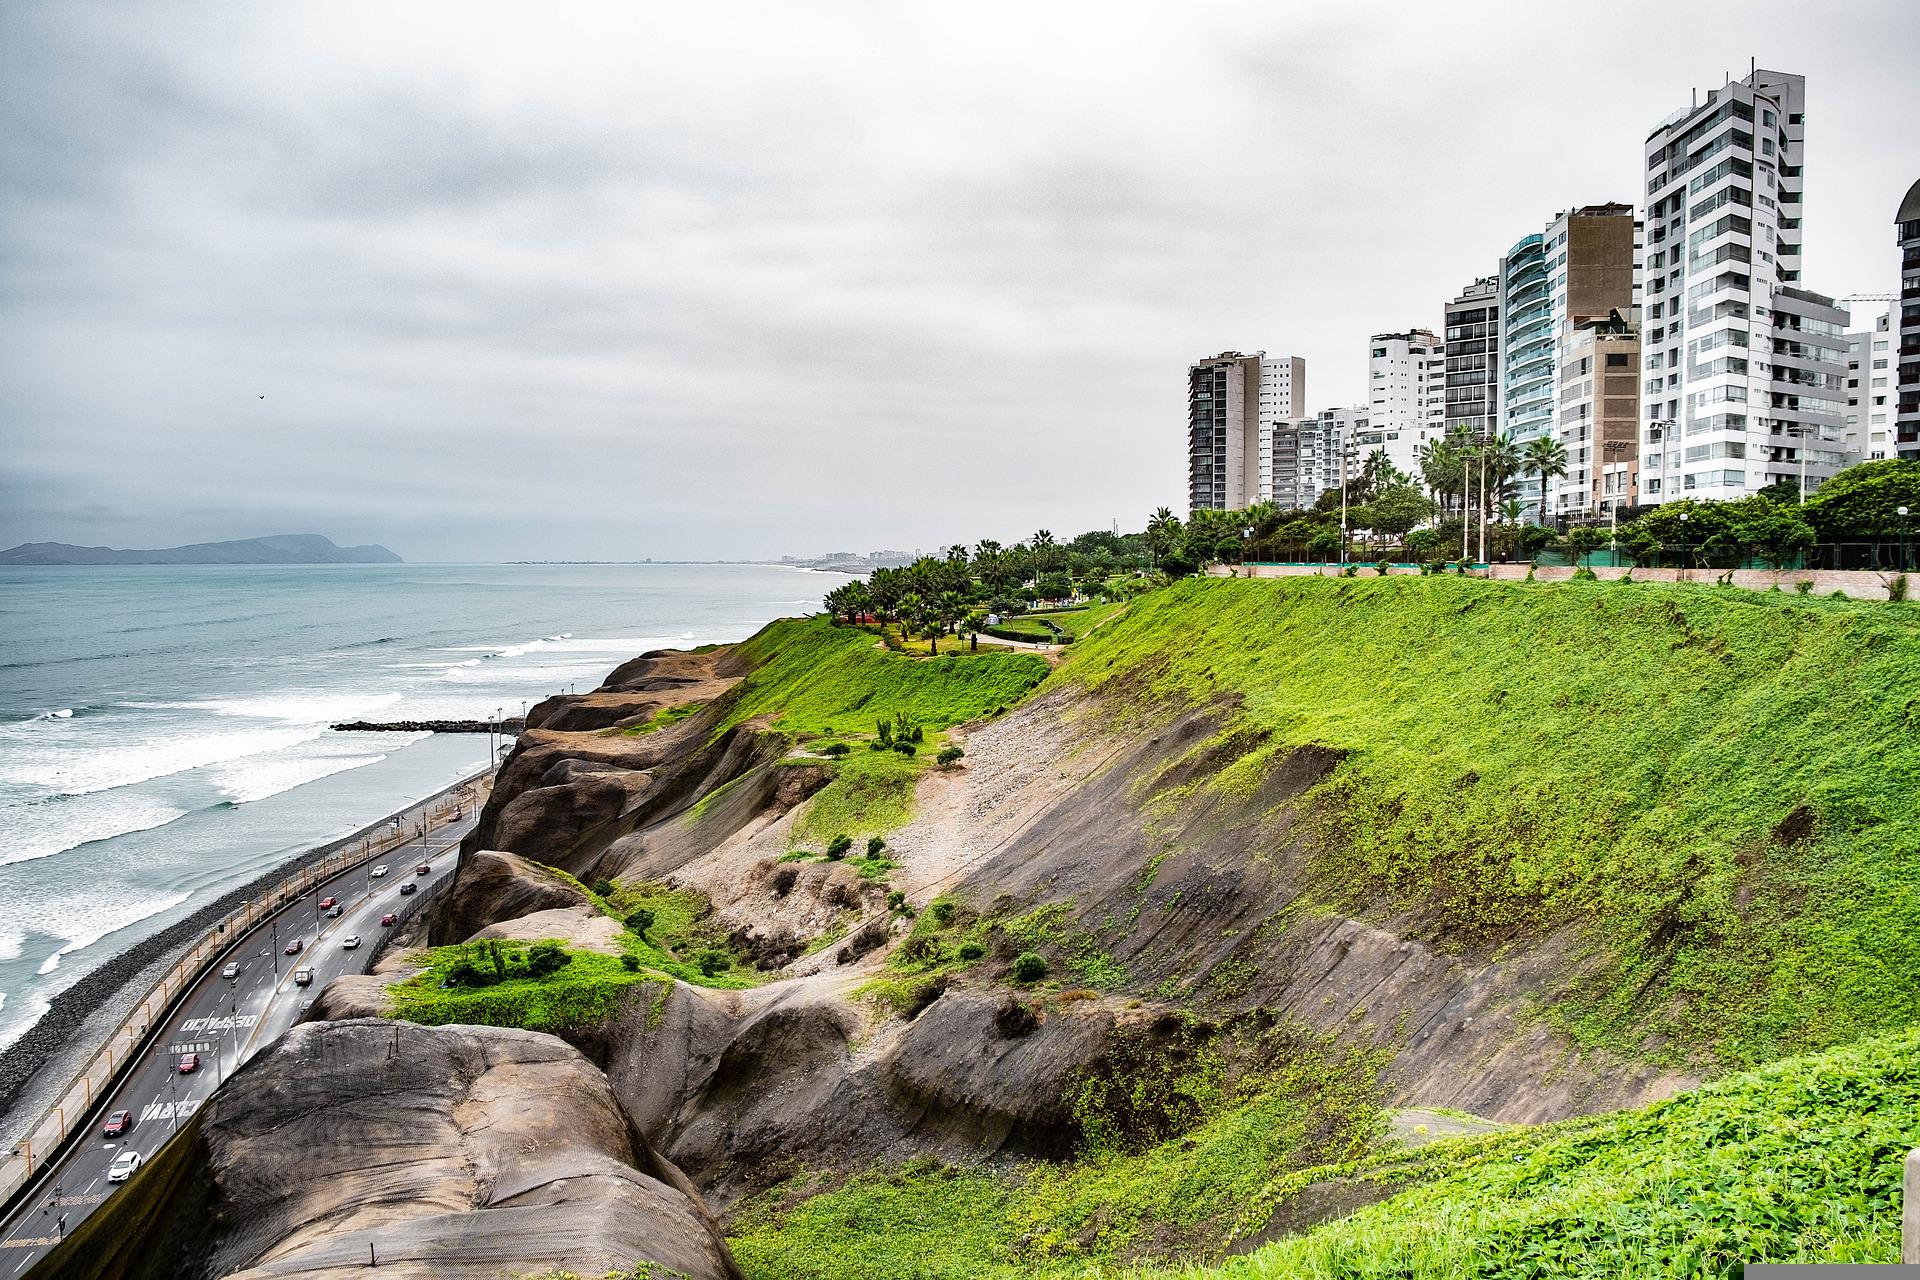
(566, 281)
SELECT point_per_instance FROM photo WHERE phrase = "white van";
(303, 977)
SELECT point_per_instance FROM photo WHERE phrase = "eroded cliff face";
(434, 1151)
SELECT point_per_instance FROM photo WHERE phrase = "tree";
(1864, 501)
(1546, 458)
(639, 920)
(1583, 541)
(1163, 534)
(1395, 512)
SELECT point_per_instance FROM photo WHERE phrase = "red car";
(295, 947)
(189, 1063)
(117, 1124)
(424, 869)
(388, 918)
(327, 901)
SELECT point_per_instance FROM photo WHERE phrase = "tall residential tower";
(1234, 402)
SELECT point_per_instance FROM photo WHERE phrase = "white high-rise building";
(1234, 401)
(1406, 374)
(1743, 368)
(1307, 454)
(1870, 404)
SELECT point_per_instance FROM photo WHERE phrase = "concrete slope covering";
(447, 1152)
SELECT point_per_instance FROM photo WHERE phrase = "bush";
(942, 911)
(639, 920)
(630, 962)
(603, 887)
(874, 845)
(835, 749)
(712, 961)
(1897, 589)
(971, 951)
(906, 748)
(544, 958)
(948, 756)
(1382, 565)
(1029, 967)
(838, 846)
(877, 745)
(896, 900)
(1804, 586)
(921, 948)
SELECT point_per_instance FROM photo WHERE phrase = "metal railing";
(97, 1076)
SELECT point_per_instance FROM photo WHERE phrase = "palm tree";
(1546, 458)
(1043, 547)
(1162, 529)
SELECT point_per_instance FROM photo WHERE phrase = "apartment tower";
(1906, 409)
(1870, 394)
(1743, 367)
(1472, 355)
(1406, 373)
(1234, 400)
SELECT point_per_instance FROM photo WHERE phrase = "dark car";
(117, 1124)
(295, 947)
(424, 869)
(333, 912)
(409, 887)
(388, 919)
(189, 1063)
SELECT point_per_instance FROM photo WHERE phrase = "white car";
(123, 1165)
(379, 871)
(232, 970)
(350, 942)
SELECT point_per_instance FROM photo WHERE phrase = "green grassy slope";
(1720, 787)
(1795, 1162)
(816, 678)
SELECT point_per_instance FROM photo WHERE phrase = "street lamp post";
(1903, 537)
(1683, 547)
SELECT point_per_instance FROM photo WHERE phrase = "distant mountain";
(285, 548)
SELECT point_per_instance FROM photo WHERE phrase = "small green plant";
(1382, 566)
(838, 846)
(1897, 588)
(906, 748)
(874, 845)
(1838, 595)
(630, 962)
(835, 749)
(948, 756)
(1804, 586)
(712, 961)
(971, 951)
(896, 900)
(544, 958)
(603, 887)
(883, 734)
(1351, 571)
(942, 910)
(639, 920)
(1029, 967)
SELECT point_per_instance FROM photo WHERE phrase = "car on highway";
(380, 871)
(117, 1124)
(295, 947)
(409, 887)
(350, 943)
(333, 912)
(303, 977)
(424, 869)
(329, 901)
(188, 1063)
(232, 970)
(123, 1166)
(388, 919)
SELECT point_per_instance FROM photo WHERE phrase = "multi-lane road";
(225, 1021)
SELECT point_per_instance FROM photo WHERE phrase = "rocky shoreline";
(68, 1012)
(511, 725)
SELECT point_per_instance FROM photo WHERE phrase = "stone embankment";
(511, 725)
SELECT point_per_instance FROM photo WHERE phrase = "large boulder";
(492, 886)
(456, 1153)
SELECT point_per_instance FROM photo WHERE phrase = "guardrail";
(123, 1047)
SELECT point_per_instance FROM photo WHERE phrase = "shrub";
(1029, 967)
(921, 948)
(1351, 571)
(874, 845)
(971, 951)
(838, 846)
(906, 748)
(835, 749)
(630, 962)
(1804, 586)
(896, 900)
(1382, 565)
(603, 887)
(1897, 588)
(1838, 595)
(544, 958)
(639, 920)
(712, 961)
(942, 911)
(948, 756)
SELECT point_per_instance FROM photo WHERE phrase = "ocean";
(163, 731)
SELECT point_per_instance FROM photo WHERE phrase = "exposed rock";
(353, 995)
(456, 1153)
(581, 927)
(492, 886)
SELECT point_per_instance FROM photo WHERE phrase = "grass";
(1078, 622)
(1796, 1162)
(663, 717)
(590, 990)
(1047, 1220)
(870, 795)
(1718, 789)
(682, 928)
(815, 679)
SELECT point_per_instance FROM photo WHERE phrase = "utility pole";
(1343, 502)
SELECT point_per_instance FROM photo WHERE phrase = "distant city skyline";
(680, 286)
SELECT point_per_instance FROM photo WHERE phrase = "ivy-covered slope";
(1718, 788)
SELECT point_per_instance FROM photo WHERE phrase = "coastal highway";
(225, 1021)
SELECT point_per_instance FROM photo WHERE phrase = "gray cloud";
(635, 281)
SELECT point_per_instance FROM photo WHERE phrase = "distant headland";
(284, 548)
